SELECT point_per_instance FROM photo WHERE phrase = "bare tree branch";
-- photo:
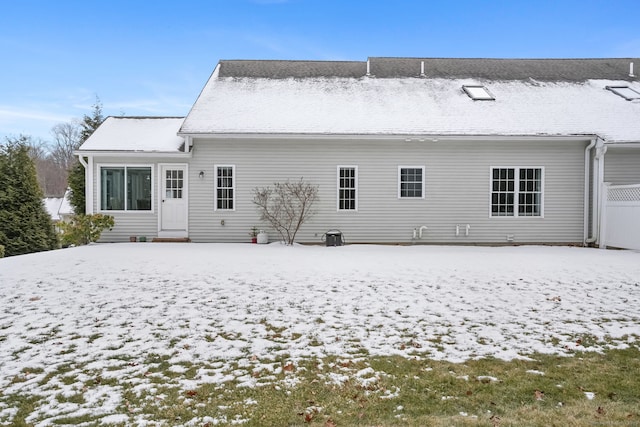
(286, 207)
(66, 139)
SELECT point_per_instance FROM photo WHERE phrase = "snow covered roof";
(414, 96)
(137, 134)
(52, 205)
(57, 207)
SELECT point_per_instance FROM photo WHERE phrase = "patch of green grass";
(71, 349)
(60, 371)
(17, 352)
(69, 379)
(66, 421)
(26, 405)
(229, 335)
(93, 337)
(77, 398)
(314, 341)
(365, 390)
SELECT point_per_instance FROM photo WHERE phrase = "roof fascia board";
(118, 153)
(405, 137)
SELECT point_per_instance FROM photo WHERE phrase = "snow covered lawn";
(115, 309)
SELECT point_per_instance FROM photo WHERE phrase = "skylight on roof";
(625, 91)
(478, 93)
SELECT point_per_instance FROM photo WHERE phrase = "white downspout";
(601, 150)
(598, 179)
(84, 164)
(587, 168)
(602, 235)
(89, 186)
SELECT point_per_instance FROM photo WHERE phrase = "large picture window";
(347, 188)
(225, 188)
(125, 188)
(411, 182)
(516, 191)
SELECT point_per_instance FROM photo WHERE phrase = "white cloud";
(8, 113)
(34, 122)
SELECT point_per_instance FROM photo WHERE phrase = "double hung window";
(516, 191)
(225, 188)
(411, 182)
(347, 188)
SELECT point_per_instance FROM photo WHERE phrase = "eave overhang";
(398, 137)
(119, 153)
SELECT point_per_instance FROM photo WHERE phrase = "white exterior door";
(173, 201)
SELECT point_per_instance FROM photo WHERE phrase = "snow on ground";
(111, 308)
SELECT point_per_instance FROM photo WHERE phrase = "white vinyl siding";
(516, 191)
(410, 182)
(347, 188)
(456, 190)
(622, 166)
(225, 187)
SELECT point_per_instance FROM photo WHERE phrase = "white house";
(59, 208)
(403, 150)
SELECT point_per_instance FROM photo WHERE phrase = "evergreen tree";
(25, 225)
(88, 125)
(75, 181)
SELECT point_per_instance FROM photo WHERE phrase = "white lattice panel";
(626, 194)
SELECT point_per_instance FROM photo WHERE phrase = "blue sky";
(154, 57)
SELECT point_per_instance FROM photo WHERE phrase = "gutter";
(83, 162)
(88, 186)
(390, 137)
(118, 153)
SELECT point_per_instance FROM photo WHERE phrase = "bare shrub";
(286, 206)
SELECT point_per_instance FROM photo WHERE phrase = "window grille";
(225, 190)
(347, 191)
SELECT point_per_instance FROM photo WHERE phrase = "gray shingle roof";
(533, 97)
(295, 69)
(571, 70)
(507, 69)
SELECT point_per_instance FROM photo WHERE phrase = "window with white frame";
(516, 191)
(125, 188)
(347, 188)
(411, 182)
(225, 188)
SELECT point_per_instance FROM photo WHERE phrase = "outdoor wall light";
(201, 174)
